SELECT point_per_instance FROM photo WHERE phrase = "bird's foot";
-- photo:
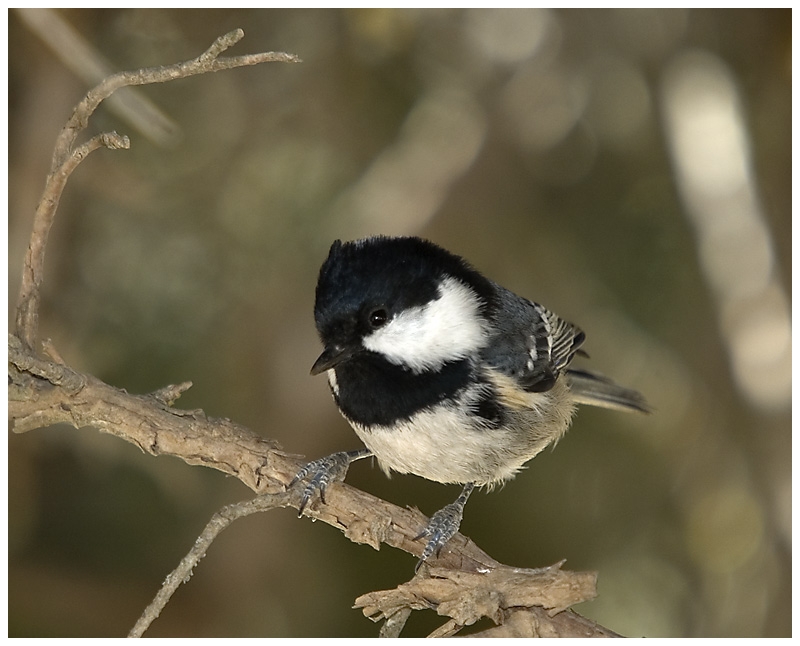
(443, 525)
(323, 472)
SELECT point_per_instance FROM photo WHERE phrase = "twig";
(181, 574)
(27, 318)
(207, 62)
(66, 159)
(73, 50)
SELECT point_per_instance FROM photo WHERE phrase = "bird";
(443, 373)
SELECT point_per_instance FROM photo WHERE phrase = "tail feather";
(596, 390)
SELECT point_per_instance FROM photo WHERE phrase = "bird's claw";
(442, 526)
(321, 473)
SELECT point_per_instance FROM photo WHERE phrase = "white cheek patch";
(426, 337)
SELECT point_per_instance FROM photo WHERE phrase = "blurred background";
(629, 169)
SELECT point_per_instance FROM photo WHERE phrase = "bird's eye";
(378, 317)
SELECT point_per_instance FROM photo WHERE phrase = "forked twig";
(181, 574)
(66, 158)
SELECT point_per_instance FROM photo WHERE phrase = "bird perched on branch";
(441, 372)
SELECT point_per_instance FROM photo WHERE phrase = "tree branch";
(44, 392)
(498, 593)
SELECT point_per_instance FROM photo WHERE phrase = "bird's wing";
(532, 345)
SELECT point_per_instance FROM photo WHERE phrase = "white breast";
(450, 446)
(438, 447)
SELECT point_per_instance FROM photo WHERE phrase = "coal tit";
(441, 372)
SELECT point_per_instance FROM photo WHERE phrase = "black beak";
(329, 358)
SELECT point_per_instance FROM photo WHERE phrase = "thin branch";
(66, 158)
(207, 62)
(80, 56)
(27, 316)
(181, 574)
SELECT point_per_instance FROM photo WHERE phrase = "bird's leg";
(325, 471)
(443, 525)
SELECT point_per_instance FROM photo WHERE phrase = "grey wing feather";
(532, 344)
(564, 338)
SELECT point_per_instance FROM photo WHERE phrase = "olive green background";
(532, 143)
